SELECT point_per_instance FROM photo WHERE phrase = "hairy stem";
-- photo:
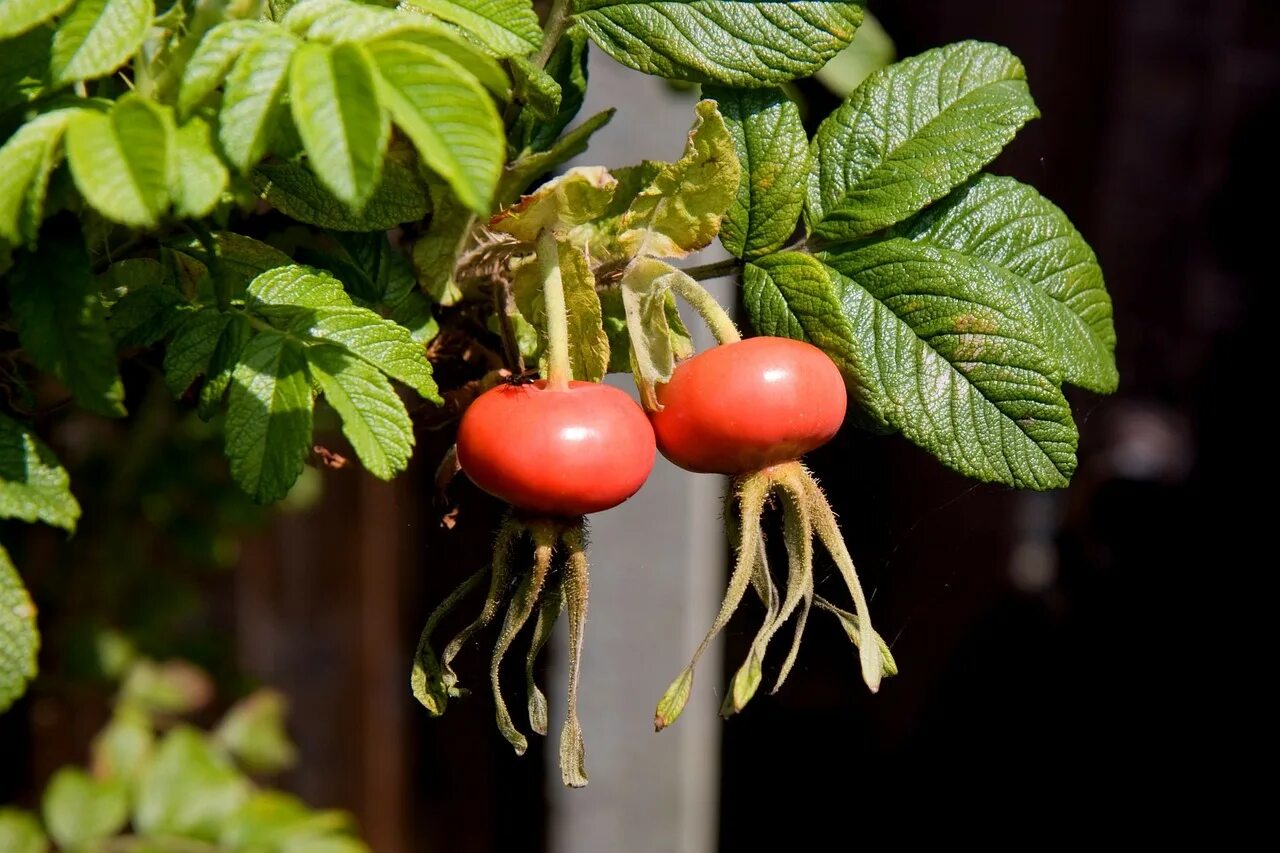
(522, 603)
(504, 307)
(559, 373)
(715, 269)
(824, 524)
(710, 310)
(573, 768)
(558, 21)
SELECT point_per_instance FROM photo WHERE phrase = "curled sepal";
(751, 496)
(573, 768)
(828, 531)
(853, 628)
(518, 611)
(427, 679)
(548, 613)
(797, 533)
(746, 681)
(508, 533)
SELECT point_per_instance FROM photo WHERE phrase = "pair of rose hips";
(733, 409)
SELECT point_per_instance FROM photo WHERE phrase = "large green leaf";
(212, 61)
(188, 354)
(226, 355)
(189, 790)
(373, 416)
(448, 116)
(196, 175)
(121, 161)
(774, 151)
(911, 133)
(97, 37)
(721, 41)
(80, 810)
(19, 640)
(18, 16)
(312, 304)
(26, 161)
(33, 484)
(62, 326)
(1010, 226)
(252, 101)
(508, 27)
(345, 130)
(20, 832)
(680, 210)
(402, 195)
(269, 416)
(933, 347)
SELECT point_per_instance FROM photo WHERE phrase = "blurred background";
(1060, 656)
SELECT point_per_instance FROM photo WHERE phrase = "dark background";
(1067, 659)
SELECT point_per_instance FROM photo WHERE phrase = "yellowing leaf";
(681, 210)
(577, 196)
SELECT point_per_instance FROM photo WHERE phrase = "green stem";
(503, 306)
(559, 20)
(557, 318)
(573, 761)
(711, 311)
(221, 283)
(716, 269)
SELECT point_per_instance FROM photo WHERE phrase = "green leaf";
(26, 161)
(268, 422)
(536, 88)
(382, 343)
(62, 327)
(911, 133)
(436, 252)
(272, 820)
(79, 809)
(192, 347)
(189, 790)
(373, 416)
(20, 832)
(508, 27)
(402, 196)
(579, 195)
(33, 484)
(932, 347)
(145, 314)
(615, 326)
(334, 99)
(97, 37)
(213, 59)
(567, 67)
(226, 355)
(681, 210)
(24, 68)
(123, 749)
(19, 640)
(253, 731)
(252, 100)
(721, 41)
(447, 115)
(19, 16)
(295, 287)
(588, 343)
(120, 161)
(519, 174)
(1010, 226)
(197, 177)
(774, 152)
(171, 688)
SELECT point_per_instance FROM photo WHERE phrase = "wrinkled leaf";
(577, 196)
(19, 639)
(33, 484)
(374, 418)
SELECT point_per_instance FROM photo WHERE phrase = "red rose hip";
(562, 453)
(745, 406)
